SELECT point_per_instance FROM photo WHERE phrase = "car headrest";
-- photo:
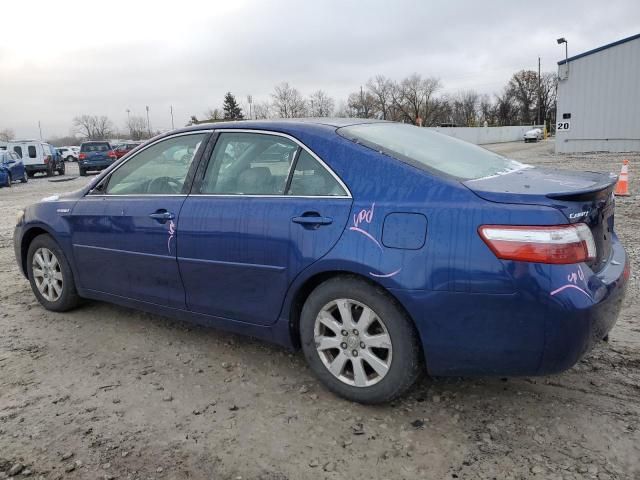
(256, 180)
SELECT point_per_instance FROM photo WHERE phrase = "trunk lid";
(581, 196)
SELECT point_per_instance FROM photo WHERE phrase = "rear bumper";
(36, 168)
(95, 165)
(531, 332)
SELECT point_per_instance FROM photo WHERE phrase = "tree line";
(526, 99)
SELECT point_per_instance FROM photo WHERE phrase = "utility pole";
(171, 110)
(539, 94)
(148, 124)
(250, 101)
(128, 115)
(362, 101)
(39, 128)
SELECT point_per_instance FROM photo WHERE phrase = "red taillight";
(559, 244)
(112, 154)
(47, 158)
(82, 156)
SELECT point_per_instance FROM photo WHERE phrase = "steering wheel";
(164, 185)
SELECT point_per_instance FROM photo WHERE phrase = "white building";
(599, 99)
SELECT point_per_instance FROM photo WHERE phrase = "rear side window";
(18, 150)
(32, 151)
(249, 164)
(310, 178)
(431, 151)
(95, 147)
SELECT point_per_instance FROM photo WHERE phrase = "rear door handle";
(312, 220)
(162, 216)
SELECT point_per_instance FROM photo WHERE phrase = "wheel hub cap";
(47, 274)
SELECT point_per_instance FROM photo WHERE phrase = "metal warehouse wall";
(602, 94)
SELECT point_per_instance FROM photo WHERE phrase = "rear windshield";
(94, 147)
(429, 150)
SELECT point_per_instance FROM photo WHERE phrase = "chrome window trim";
(175, 135)
(297, 142)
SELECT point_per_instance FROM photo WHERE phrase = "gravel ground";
(107, 392)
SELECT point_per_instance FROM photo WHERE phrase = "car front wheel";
(359, 341)
(50, 275)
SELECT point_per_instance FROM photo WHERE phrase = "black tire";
(68, 298)
(50, 170)
(69, 158)
(83, 172)
(406, 360)
(30, 174)
(61, 168)
(8, 182)
(25, 177)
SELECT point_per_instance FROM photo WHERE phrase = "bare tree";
(548, 91)
(287, 101)
(137, 127)
(487, 110)
(6, 135)
(361, 104)
(524, 89)
(464, 108)
(415, 98)
(320, 104)
(262, 110)
(93, 127)
(506, 108)
(382, 90)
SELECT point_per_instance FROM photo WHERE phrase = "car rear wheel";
(69, 158)
(8, 180)
(83, 172)
(50, 275)
(359, 341)
(25, 177)
(61, 168)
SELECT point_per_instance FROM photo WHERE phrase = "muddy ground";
(107, 392)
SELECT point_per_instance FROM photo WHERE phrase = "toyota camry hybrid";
(381, 249)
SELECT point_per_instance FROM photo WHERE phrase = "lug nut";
(354, 353)
(362, 345)
(343, 345)
(344, 333)
(355, 332)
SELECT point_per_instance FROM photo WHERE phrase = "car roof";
(281, 124)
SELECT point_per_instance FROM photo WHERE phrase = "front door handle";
(162, 216)
(312, 220)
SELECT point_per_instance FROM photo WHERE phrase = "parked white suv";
(37, 156)
(69, 154)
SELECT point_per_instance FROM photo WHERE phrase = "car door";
(123, 232)
(262, 209)
(15, 165)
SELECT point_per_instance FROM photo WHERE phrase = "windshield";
(430, 150)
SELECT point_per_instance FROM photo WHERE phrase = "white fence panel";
(485, 135)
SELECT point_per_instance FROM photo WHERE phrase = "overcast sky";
(65, 58)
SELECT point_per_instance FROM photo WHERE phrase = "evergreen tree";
(232, 110)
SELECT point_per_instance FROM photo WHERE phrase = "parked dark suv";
(95, 156)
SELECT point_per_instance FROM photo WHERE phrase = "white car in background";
(533, 135)
(69, 154)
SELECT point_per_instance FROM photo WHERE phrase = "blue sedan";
(381, 249)
(11, 168)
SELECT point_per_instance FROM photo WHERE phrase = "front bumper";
(530, 332)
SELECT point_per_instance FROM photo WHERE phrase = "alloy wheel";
(353, 342)
(47, 274)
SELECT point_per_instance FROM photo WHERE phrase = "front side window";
(32, 151)
(431, 151)
(310, 178)
(249, 164)
(160, 169)
(18, 150)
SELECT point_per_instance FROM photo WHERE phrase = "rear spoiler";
(598, 190)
